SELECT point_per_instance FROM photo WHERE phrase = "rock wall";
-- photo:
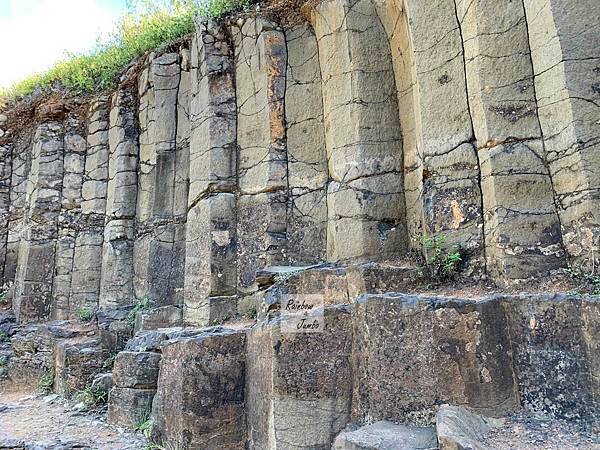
(250, 146)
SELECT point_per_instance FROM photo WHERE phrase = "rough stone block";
(76, 364)
(129, 407)
(554, 354)
(385, 435)
(298, 384)
(418, 352)
(458, 428)
(136, 370)
(200, 397)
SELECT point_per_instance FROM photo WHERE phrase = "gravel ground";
(522, 431)
(34, 422)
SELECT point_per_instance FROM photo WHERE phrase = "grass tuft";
(148, 25)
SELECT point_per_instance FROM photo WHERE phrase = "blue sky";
(36, 33)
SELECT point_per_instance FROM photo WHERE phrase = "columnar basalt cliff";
(253, 161)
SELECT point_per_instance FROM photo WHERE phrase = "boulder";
(386, 435)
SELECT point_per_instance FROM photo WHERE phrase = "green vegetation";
(46, 383)
(92, 396)
(3, 361)
(219, 321)
(139, 305)
(85, 314)
(109, 362)
(439, 261)
(4, 337)
(589, 282)
(252, 312)
(144, 425)
(148, 25)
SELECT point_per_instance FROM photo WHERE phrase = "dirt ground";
(33, 421)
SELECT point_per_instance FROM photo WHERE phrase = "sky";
(36, 33)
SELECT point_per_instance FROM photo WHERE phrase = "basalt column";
(69, 218)
(522, 230)
(565, 49)
(37, 249)
(117, 253)
(307, 155)
(21, 165)
(260, 67)
(365, 199)
(159, 246)
(211, 245)
(441, 170)
(87, 265)
(5, 175)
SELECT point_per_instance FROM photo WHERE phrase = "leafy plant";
(140, 305)
(85, 314)
(3, 299)
(92, 396)
(3, 360)
(46, 383)
(4, 337)
(252, 312)
(439, 261)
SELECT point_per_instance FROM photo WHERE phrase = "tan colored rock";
(211, 242)
(365, 198)
(522, 229)
(116, 288)
(306, 152)
(564, 43)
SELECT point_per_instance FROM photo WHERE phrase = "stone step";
(386, 435)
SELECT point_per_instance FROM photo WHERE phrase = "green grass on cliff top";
(148, 25)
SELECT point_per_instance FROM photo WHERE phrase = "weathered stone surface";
(162, 183)
(136, 370)
(76, 364)
(260, 67)
(522, 229)
(298, 388)
(128, 407)
(5, 179)
(200, 397)
(161, 317)
(306, 152)
(564, 41)
(385, 435)
(554, 353)
(440, 161)
(211, 243)
(116, 288)
(458, 428)
(37, 250)
(418, 352)
(365, 199)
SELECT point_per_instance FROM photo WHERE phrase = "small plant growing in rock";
(139, 305)
(252, 312)
(589, 282)
(46, 383)
(92, 396)
(4, 337)
(144, 426)
(439, 261)
(84, 314)
(109, 362)
(3, 361)
(220, 321)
